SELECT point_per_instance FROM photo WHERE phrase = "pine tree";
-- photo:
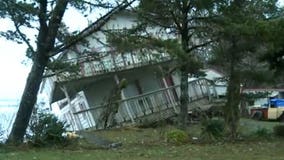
(238, 44)
(188, 27)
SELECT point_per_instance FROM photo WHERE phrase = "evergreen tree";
(188, 27)
(238, 44)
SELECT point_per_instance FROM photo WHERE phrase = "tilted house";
(116, 88)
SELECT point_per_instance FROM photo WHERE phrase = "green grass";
(149, 144)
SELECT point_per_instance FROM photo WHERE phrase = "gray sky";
(15, 66)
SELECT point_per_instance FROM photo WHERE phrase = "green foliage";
(239, 49)
(252, 96)
(271, 32)
(279, 130)
(212, 129)
(263, 133)
(60, 65)
(46, 130)
(177, 136)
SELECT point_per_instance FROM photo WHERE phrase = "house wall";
(97, 92)
(176, 77)
(146, 79)
(46, 89)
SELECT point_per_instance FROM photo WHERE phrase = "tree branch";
(104, 5)
(55, 22)
(199, 45)
(178, 24)
(153, 21)
(23, 37)
(96, 26)
(17, 27)
(201, 18)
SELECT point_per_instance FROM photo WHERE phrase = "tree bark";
(184, 102)
(45, 44)
(28, 100)
(183, 99)
(231, 109)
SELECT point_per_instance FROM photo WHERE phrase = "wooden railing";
(135, 108)
(92, 66)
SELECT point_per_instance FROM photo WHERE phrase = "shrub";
(262, 133)
(46, 130)
(212, 129)
(177, 137)
(279, 130)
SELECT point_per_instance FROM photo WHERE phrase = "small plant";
(212, 129)
(177, 137)
(263, 133)
(279, 130)
(46, 130)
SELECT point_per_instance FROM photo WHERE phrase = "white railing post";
(170, 95)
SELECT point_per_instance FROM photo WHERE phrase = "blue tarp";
(277, 102)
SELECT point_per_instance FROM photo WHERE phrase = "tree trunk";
(231, 109)
(28, 100)
(183, 99)
(45, 44)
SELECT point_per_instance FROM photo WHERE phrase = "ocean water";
(7, 116)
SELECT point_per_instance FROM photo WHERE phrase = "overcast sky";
(14, 66)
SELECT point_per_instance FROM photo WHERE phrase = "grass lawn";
(149, 144)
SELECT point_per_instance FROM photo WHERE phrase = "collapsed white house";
(84, 100)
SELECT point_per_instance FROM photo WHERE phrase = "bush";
(177, 137)
(212, 129)
(46, 130)
(279, 130)
(262, 133)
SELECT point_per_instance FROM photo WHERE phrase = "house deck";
(152, 106)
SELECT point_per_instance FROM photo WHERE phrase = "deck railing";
(92, 66)
(135, 108)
